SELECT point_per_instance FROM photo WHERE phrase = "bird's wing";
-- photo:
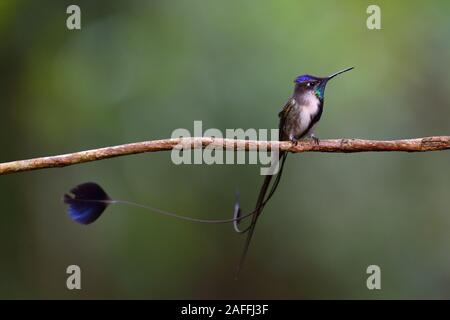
(283, 115)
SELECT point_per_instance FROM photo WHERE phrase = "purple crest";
(303, 78)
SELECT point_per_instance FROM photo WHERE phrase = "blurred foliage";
(140, 69)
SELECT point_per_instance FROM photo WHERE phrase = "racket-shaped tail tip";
(86, 202)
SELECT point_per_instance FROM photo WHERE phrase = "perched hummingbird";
(86, 202)
(298, 119)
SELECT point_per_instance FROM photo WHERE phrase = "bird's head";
(307, 83)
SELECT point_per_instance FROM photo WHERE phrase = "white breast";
(307, 111)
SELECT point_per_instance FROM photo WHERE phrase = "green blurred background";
(137, 70)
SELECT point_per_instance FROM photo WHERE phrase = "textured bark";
(332, 145)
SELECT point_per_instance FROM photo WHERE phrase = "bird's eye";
(309, 84)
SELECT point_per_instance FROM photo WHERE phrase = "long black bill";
(338, 73)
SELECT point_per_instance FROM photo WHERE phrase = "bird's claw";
(294, 142)
(314, 138)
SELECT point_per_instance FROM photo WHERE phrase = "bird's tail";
(261, 202)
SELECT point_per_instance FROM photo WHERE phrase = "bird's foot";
(294, 141)
(315, 139)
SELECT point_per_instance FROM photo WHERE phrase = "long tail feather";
(86, 203)
(261, 202)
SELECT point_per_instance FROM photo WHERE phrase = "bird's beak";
(338, 73)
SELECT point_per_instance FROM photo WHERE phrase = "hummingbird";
(297, 120)
(87, 201)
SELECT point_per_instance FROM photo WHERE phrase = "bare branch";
(333, 145)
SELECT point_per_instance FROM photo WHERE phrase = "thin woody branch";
(333, 145)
